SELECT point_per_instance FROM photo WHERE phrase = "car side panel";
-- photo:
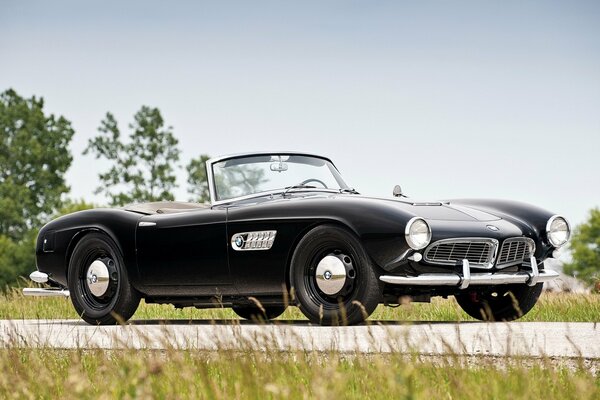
(262, 272)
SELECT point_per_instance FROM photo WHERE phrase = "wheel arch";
(334, 222)
(129, 259)
(79, 235)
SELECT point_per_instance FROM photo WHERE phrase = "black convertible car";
(284, 228)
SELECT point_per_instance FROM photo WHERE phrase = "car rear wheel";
(502, 303)
(332, 279)
(98, 282)
(256, 314)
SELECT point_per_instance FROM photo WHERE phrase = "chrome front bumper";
(531, 277)
(40, 277)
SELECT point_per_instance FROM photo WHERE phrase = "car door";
(262, 272)
(185, 251)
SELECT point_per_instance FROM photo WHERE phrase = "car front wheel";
(98, 283)
(332, 279)
(501, 303)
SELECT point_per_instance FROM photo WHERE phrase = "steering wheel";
(304, 182)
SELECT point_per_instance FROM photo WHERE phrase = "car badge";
(492, 228)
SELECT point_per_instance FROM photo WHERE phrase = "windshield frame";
(211, 181)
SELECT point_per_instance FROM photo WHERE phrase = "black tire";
(256, 314)
(502, 303)
(120, 301)
(362, 291)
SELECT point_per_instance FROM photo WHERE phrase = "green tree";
(197, 179)
(34, 156)
(17, 258)
(143, 169)
(70, 206)
(585, 247)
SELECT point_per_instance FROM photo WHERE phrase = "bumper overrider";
(530, 276)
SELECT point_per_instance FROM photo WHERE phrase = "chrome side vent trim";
(258, 240)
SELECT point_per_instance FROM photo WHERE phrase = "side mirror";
(397, 191)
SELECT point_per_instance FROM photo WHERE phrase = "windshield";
(267, 173)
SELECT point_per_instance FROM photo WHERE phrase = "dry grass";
(78, 374)
(45, 373)
(552, 307)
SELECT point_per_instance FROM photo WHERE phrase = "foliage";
(143, 168)
(585, 247)
(197, 179)
(34, 156)
(70, 206)
(239, 180)
(231, 181)
(17, 257)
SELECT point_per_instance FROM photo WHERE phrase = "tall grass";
(72, 374)
(552, 307)
(46, 373)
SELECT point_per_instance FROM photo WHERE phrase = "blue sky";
(448, 99)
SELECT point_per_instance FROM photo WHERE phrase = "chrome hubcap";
(97, 278)
(331, 273)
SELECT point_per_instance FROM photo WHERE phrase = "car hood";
(435, 210)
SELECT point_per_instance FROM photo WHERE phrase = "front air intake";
(481, 252)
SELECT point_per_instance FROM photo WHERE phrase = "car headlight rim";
(410, 233)
(552, 232)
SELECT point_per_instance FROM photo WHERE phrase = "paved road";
(494, 339)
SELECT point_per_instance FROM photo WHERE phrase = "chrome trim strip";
(38, 277)
(265, 153)
(41, 292)
(212, 161)
(147, 223)
(477, 279)
(489, 264)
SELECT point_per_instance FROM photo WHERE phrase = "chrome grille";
(481, 252)
(515, 251)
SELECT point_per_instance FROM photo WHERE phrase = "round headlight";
(558, 231)
(418, 233)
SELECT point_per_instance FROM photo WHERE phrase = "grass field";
(552, 307)
(72, 374)
(45, 373)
